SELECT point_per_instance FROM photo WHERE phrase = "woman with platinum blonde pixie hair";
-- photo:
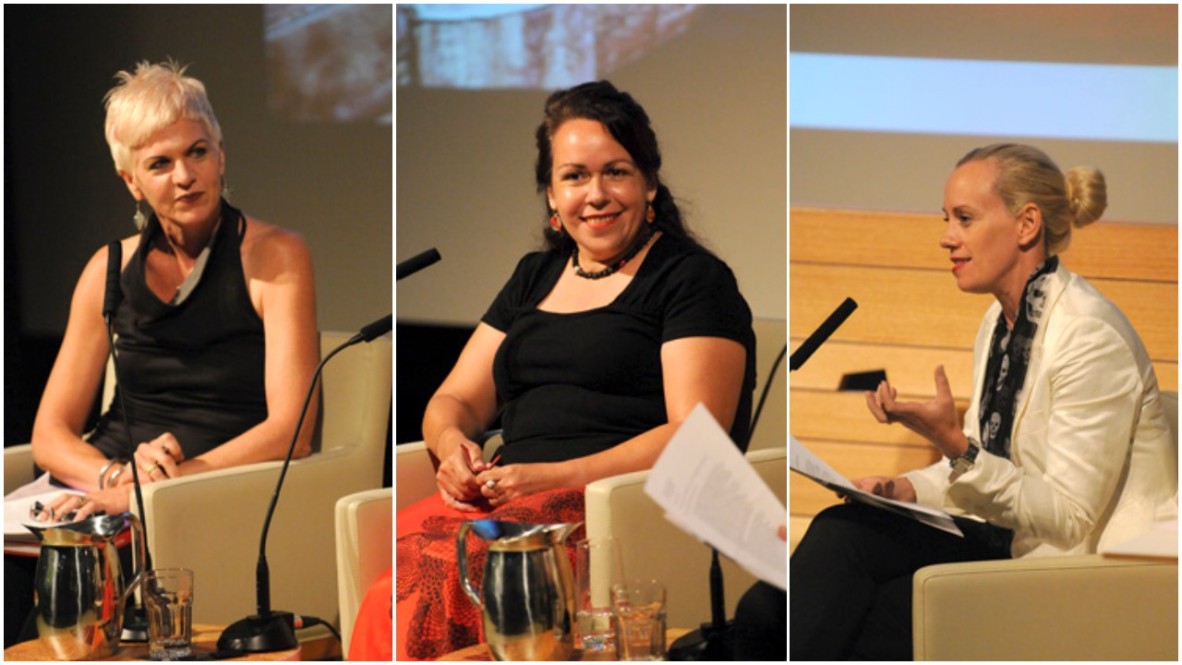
(216, 333)
(1065, 447)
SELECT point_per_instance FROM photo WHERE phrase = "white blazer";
(1094, 462)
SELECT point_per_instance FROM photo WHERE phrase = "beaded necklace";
(646, 234)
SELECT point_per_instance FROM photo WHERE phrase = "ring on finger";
(148, 471)
(491, 484)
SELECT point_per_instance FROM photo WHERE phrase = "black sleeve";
(516, 293)
(703, 300)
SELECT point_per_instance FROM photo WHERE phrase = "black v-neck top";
(575, 384)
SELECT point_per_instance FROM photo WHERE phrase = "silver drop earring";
(140, 219)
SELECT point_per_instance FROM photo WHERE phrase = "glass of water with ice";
(168, 595)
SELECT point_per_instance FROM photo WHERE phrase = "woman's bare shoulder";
(267, 248)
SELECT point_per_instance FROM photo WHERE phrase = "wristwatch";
(962, 464)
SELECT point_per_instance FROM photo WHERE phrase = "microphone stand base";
(135, 625)
(707, 643)
(260, 634)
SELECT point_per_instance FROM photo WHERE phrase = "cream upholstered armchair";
(1055, 608)
(212, 522)
(618, 506)
(365, 545)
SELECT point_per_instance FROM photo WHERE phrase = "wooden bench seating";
(911, 317)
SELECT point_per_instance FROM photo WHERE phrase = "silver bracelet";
(103, 472)
(115, 476)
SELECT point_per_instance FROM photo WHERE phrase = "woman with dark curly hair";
(592, 354)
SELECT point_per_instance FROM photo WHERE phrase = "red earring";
(555, 224)
(649, 213)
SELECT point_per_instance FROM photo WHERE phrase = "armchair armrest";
(365, 540)
(653, 547)
(18, 466)
(211, 523)
(1054, 608)
(414, 473)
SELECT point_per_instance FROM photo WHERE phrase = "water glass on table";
(639, 607)
(168, 595)
(598, 566)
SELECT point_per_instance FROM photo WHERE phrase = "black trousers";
(850, 579)
(761, 629)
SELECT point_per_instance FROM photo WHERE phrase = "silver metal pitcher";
(527, 597)
(79, 589)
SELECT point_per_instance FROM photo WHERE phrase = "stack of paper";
(708, 490)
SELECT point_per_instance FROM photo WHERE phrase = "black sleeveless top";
(194, 369)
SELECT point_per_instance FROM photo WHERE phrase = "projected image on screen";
(330, 62)
(527, 46)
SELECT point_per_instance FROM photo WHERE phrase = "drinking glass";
(168, 595)
(639, 607)
(598, 565)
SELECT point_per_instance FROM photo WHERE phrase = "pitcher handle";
(462, 556)
(138, 555)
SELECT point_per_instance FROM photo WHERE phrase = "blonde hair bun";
(1087, 194)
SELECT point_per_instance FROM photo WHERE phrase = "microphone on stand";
(269, 630)
(416, 263)
(715, 640)
(135, 621)
(815, 340)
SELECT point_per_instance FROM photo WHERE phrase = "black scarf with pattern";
(1009, 357)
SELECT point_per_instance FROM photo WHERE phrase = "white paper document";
(708, 490)
(803, 461)
(1159, 543)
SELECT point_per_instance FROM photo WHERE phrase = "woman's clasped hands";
(466, 481)
(460, 461)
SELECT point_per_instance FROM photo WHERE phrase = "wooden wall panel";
(924, 308)
(844, 416)
(895, 306)
(909, 240)
(909, 369)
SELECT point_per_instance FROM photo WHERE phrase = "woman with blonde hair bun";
(1065, 447)
(1027, 175)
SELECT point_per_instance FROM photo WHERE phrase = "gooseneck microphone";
(270, 630)
(135, 623)
(831, 324)
(111, 299)
(416, 263)
(113, 295)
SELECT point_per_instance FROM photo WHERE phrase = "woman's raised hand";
(936, 419)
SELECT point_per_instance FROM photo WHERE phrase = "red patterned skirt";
(434, 616)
